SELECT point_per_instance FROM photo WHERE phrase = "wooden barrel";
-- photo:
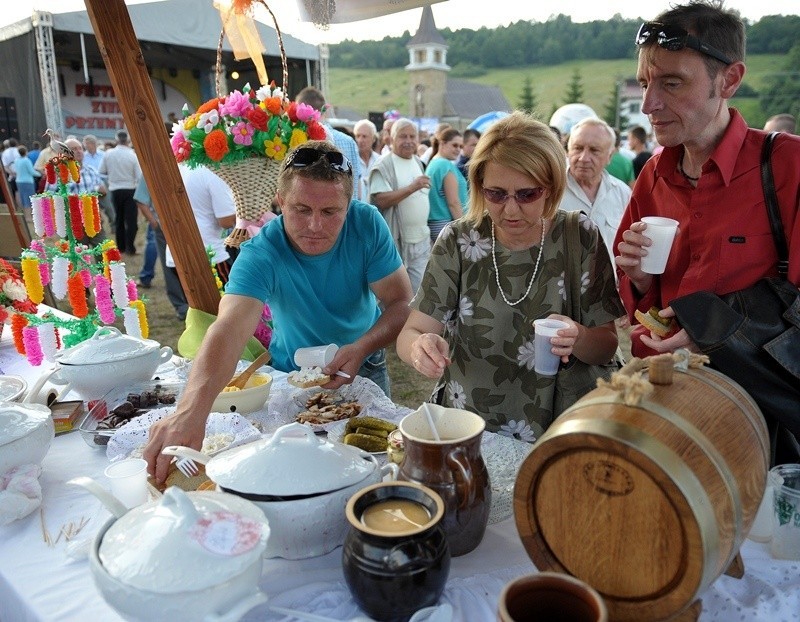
(648, 504)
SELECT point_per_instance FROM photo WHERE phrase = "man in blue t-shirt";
(323, 266)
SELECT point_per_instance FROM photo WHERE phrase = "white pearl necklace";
(533, 276)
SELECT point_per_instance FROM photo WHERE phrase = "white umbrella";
(485, 121)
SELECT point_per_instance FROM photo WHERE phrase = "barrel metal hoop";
(679, 473)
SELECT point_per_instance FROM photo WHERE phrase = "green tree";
(528, 101)
(613, 114)
(574, 93)
(781, 91)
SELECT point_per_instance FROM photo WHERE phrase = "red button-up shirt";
(724, 241)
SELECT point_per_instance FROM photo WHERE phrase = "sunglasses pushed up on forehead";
(306, 156)
(675, 38)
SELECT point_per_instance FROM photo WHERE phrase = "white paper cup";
(315, 356)
(545, 362)
(662, 233)
(128, 480)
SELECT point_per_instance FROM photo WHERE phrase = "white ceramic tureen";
(26, 431)
(187, 556)
(108, 359)
(301, 482)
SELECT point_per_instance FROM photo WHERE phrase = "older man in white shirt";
(589, 186)
(399, 188)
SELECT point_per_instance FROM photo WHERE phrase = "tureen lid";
(18, 420)
(294, 461)
(106, 346)
(184, 541)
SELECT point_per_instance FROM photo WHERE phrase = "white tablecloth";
(42, 583)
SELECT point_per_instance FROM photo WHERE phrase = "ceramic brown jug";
(453, 467)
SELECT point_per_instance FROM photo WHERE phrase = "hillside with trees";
(542, 65)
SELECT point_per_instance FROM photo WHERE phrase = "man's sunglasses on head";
(306, 156)
(674, 38)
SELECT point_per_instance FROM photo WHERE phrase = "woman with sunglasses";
(499, 268)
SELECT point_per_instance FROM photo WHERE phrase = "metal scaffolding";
(43, 27)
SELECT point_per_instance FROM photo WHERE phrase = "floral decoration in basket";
(244, 136)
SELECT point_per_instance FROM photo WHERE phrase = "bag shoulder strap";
(572, 257)
(771, 200)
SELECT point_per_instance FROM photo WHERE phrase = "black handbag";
(753, 335)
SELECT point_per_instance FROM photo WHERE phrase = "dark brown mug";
(453, 467)
(549, 596)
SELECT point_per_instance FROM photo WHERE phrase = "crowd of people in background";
(454, 209)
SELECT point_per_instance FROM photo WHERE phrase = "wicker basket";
(253, 182)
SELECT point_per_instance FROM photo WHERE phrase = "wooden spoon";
(242, 378)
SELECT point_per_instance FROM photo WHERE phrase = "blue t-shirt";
(317, 299)
(437, 170)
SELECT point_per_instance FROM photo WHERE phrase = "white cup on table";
(128, 480)
(315, 356)
(545, 362)
(661, 232)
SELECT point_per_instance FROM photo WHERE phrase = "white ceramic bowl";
(26, 431)
(105, 361)
(248, 400)
(150, 564)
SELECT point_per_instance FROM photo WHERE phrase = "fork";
(187, 466)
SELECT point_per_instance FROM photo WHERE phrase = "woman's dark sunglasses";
(306, 156)
(674, 38)
(523, 196)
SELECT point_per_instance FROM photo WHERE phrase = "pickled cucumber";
(372, 432)
(367, 442)
(369, 422)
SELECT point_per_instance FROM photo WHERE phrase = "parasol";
(485, 121)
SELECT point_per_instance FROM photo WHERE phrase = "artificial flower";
(244, 124)
(258, 118)
(13, 295)
(274, 149)
(216, 145)
(208, 120)
(243, 133)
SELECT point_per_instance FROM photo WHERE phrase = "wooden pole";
(22, 236)
(134, 92)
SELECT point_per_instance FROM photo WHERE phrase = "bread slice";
(308, 377)
(652, 321)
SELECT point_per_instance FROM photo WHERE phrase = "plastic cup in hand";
(661, 232)
(128, 481)
(545, 362)
(315, 356)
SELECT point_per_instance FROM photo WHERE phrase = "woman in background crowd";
(448, 194)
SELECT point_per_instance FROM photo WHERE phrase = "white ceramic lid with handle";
(19, 420)
(184, 541)
(294, 461)
(107, 345)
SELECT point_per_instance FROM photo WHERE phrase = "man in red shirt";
(691, 61)
(707, 177)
